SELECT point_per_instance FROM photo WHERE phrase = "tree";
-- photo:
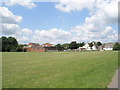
(9, 44)
(99, 43)
(73, 45)
(3, 44)
(91, 45)
(12, 43)
(65, 46)
(19, 48)
(116, 46)
(59, 47)
(81, 44)
(0, 44)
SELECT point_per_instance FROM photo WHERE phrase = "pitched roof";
(109, 45)
(47, 45)
(34, 44)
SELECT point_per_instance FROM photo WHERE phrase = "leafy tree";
(3, 44)
(19, 48)
(59, 47)
(99, 43)
(9, 44)
(116, 46)
(73, 45)
(65, 46)
(91, 45)
(81, 44)
(0, 44)
(24, 44)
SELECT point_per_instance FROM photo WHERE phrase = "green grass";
(59, 69)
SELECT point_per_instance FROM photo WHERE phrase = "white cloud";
(28, 3)
(8, 29)
(41, 36)
(8, 21)
(24, 35)
(27, 31)
(23, 39)
(79, 33)
(53, 35)
(88, 32)
(75, 5)
(107, 8)
(95, 27)
(8, 16)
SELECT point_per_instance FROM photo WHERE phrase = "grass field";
(59, 69)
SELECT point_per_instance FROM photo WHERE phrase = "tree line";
(74, 45)
(10, 44)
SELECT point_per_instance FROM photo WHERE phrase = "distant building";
(100, 48)
(49, 47)
(95, 47)
(81, 49)
(35, 47)
(108, 46)
(88, 48)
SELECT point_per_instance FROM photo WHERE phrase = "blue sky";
(60, 22)
(46, 16)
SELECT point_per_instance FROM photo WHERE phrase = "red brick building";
(35, 47)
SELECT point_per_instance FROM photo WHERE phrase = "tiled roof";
(47, 45)
(34, 44)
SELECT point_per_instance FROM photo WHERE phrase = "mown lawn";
(58, 69)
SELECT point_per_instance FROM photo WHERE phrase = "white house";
(81, 49)
(94, 47)
(87, 47)
(108, 46)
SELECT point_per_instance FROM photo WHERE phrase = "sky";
(60, 22)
